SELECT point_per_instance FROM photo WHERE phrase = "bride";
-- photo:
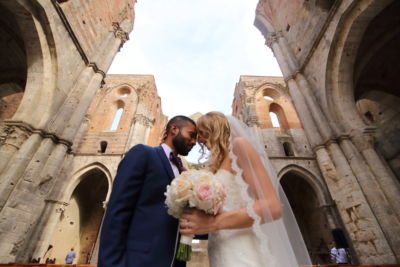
(256, 226)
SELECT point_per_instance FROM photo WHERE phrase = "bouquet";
(193, 189)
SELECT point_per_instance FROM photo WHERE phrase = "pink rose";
(204, 192)
(218, 207)
(221, 190)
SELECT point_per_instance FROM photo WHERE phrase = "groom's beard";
(181, 145)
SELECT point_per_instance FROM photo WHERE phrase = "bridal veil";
(281, 241)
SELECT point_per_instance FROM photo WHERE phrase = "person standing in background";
(69, 259)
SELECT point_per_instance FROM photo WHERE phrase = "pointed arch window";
(274, 120)
(117, 116)
(278, 117)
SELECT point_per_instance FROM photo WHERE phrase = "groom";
(137, 230)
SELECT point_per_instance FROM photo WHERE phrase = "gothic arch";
(35, 36)
(78, 225)
(127, 86)
(309, 177)
(307, 200)
(274, 90)
(281, 114)
(362, 75)
(342, 58)
(78, 176)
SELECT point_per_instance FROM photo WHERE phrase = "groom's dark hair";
(179, 121)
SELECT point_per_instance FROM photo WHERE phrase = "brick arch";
(280, 112)
(104, 108)
(281, 103)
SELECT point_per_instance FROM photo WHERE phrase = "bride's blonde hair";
(216, 126)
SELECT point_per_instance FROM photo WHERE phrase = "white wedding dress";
(268, 242)
(231, 248)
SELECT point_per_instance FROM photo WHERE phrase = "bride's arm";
(266, 204)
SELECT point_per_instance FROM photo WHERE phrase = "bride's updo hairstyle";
(216, 127)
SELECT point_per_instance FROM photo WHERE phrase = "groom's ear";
(174, 130)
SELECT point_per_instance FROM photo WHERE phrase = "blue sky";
(196, 49)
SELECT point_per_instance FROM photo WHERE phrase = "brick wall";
(91, 20)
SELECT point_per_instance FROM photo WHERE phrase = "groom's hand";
(196, 222)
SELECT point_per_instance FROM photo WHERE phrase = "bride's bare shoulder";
(241, 144)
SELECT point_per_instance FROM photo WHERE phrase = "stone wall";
(291, 155)
(94, 163)
(62, 77)
(324, 79)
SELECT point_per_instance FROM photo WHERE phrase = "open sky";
(196, 50)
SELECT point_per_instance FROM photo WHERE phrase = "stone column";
(141, 124)
(12, 137)
(25, 212)
(364, 143)
(88, 91)
(17, 164)
(339, 176)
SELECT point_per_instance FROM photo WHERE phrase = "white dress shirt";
(168, 151)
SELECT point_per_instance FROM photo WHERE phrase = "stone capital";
(143, 120)
(18, 131)
(252, 121)
(292, 76)
(272, 38)
(364, 139)
(120, 33)
(14, 135)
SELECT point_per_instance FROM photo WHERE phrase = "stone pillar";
(17, 163)
(141, 126)
(251, 116)
(364, 143)
(24, 211)
(341, 180)
(12, 137)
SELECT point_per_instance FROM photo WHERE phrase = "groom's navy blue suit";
(137, 231)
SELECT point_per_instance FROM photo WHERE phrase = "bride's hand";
(196, 222)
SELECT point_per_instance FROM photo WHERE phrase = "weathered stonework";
(331, 54)
(53, 57)
(291, 156)
(94, 160)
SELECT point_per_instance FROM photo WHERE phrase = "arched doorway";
(80, 222)
(13, 64)
(309, 215)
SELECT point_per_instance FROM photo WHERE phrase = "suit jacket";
(137, 230)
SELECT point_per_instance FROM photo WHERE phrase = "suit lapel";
(165, 162)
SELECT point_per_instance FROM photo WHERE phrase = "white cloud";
(196, 49)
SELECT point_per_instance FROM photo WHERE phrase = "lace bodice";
(234, 247)
(234, 199)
